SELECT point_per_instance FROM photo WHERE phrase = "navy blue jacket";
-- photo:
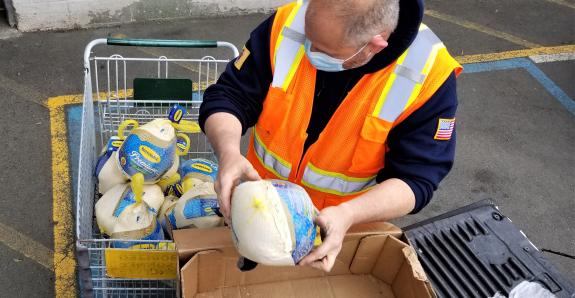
(414, 157)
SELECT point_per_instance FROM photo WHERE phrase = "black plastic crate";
(476, 251)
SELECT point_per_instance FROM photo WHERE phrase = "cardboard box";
(373, 262)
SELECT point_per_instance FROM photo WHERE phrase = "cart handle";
(171, 43)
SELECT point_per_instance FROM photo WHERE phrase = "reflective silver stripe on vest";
(286, 54)
(298, 37)
(269, 161)
(335, 183)
(409, 74)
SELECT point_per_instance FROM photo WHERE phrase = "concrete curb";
(41, 15)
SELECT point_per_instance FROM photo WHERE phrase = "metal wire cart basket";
(117, 88)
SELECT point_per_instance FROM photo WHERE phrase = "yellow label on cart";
(141, 263)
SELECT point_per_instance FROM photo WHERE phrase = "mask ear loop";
(359, 51)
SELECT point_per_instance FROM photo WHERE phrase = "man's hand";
(224, 131)
(334, 222)
(233, 167)
(390, 199)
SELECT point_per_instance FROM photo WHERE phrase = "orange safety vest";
(344, 161)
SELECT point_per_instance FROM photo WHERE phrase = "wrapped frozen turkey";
(120, 216)
(150, 149)
(171, 186)
(198, 170)
(197, 208)
(153, 150)
(273, 222)
(168, 205)
(108, 171)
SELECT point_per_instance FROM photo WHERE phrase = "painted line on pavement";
(563, 3)
(515, 54)
(553, 57)
(62, 211)
(483, 29)
(22, 91)
(9, 236)
(26, 246)
(528, 65)
(552, 88)
(496, 65)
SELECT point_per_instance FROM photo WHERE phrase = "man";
(353, 99)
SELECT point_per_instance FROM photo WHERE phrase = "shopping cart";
(113, 96)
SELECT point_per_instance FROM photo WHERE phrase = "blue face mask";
(325, 62)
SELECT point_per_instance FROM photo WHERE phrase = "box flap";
(368, 250)
(411, 257)
(364, 286)
(411, 281)
(368, 266)
(190, 241)
(388, 264)
(417, 270)
(189, 278)
(375, 228)
(218, 270)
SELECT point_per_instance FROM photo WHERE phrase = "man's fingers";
(317, 265)
(321, 221)
(224, 196)
(329, 261)
(251, 173)
(325, 264)
(316, 254)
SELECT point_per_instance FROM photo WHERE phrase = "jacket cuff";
(204, 115)
(422, 194)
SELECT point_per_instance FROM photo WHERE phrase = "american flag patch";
(444, 129)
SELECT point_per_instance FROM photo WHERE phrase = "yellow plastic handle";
(125, 124)
(164, 183)
(137, 185)
(187, 184)
(187, 126)
(183, 151)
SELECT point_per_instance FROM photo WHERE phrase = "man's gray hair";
(365, 20)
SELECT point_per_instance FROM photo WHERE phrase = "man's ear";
(378, 43)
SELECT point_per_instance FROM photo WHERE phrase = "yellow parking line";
(515, 54)
(483, 29)
(26, 246)
(64, 257)
(563, 3)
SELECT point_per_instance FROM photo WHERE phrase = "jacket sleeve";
(415, 156)
(242, 91)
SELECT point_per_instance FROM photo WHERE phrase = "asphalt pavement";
(515, 139)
